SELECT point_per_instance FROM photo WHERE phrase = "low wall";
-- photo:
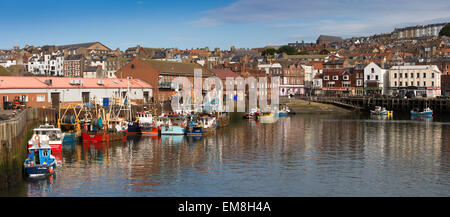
(14, 134)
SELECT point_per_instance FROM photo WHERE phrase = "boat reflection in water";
(427, 118)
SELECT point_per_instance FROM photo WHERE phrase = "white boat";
(380, 111)
(50, 133)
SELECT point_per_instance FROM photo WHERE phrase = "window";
(418, 83)
(395, 84)
(345, 77)
(40, 98)
(418, 75)
(432, 76)
(373, 70)
(395, 75)
(359, 82)
(424, 83)
(400, 75)
(345, 84)
(412, 75)
(326, 78)
(335, 77)
(368, 77)
(424, 75)
(400, 84)
(330, 84)
(412, 83)
(376, 77)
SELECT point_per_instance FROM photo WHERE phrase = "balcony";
(165, 85)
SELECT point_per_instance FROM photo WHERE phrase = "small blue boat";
(193, 129)
(425, 112)
(40, 161)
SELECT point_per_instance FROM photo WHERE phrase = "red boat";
(102, 136)
(151, 130)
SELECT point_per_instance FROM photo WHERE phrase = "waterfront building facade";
(375, 79)
(422, 80)
(60, 91)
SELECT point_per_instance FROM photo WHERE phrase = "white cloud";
(341, 17)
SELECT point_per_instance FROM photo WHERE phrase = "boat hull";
(172, 130)
(40, 170)
(102, 137)
(192, 131)
(421, 113)
(133, 128)
(55, 146)
(283, 114)
(151, 130)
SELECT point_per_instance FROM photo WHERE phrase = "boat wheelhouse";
(50, 133)
(40, 161)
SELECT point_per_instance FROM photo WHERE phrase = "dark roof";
(90, 69)
(74, 57)
(76, 46)
(170, 67)
(328, 38)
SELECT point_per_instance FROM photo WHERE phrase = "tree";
(269, 51)
(303, 52)
(288, 50)
(445, 31)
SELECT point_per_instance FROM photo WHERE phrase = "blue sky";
(213, 23)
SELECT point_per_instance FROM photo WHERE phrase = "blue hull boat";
(429, 113)
(193, 131)
(172, 130)
(425, 112)
(40, 161)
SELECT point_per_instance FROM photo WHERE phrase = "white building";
(420, 80)
(272, 68)
(47, 64)
(375, 79)
(7, 60)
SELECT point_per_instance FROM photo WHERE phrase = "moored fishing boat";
(284, 112)
(148, 123)
(194, 127)
(173, 126)
(40, 161)
(252, 114)
(97, 131)
(426, 112)
(50, 133)
(380, 111)
(208, 123)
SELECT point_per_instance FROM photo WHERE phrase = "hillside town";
(408, 62)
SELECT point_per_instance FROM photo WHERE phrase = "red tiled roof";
(29, 82)
(224, 73)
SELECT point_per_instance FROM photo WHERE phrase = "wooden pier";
(397, 104)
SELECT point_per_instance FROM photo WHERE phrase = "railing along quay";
(440, 105)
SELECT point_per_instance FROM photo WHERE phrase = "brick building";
(159, 74)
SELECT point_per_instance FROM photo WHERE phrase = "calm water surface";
(302, 155)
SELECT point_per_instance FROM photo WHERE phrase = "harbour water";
(301, 155)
